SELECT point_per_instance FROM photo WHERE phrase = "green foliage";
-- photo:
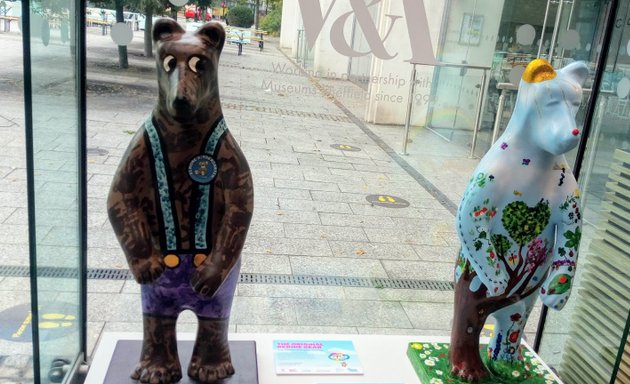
(272, 21)
(524, 223)
(501, 243)
(240, 16)
(430, 361)
(274, 4)
(573, 238)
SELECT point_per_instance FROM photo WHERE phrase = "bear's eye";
(168, 63)
(195, 64)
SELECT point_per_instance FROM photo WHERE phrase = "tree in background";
(273, 5)
(151, 7)
(240, 16)
(272, 21)
(118, 6)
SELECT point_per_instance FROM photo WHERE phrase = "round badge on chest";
(202, 169)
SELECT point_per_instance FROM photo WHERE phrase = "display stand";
(126, 353)
(430, 361)
(384, 358)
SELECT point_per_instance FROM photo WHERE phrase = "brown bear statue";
(180, 205)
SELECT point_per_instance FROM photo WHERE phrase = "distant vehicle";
(143, 20)
(193, 12)
(100, 16)
(136, 20)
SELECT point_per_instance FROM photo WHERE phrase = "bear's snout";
(181, 108)
(181, 105)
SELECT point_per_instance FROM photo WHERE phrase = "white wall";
(389, 88)
(393, 111)
(291, 22)
(327, 61)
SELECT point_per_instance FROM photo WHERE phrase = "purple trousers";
(172, 293)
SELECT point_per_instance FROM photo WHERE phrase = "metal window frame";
(80, 71)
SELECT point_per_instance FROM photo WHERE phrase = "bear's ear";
(578, 71)
(538, 70)
(213, 35)
(166, 29)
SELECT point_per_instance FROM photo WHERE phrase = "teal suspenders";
(202, 170)
(201, 218)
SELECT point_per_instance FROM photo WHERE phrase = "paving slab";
(284, 246)
(407, 295)
(335, 266)
(290, 291)
(368, 250)
(385, 314)
(263, 311)
(327, 232)
(355, 220)
(436, 316)
(419, 270)
(266, 229)
(404, 236)
(265, 263)
(315, 206)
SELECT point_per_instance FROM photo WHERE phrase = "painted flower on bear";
(514, 336)
(537, 252)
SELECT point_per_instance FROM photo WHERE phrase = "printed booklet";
(316, 357)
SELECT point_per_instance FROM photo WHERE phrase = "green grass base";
(430, 361)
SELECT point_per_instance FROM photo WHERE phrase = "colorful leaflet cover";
(316, 357)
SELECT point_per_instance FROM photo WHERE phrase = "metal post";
(569, 23)
(412, 90)
(594, 143)
(542, 34)
(554, 37)
(482, 93)
(498, 118)
(297, 49)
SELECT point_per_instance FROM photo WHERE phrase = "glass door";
(54, 104)
(587, 340)
(468, 35)
(560, 31)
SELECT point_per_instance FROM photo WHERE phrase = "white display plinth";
(384, 357)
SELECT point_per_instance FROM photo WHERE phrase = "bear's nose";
(180, 103)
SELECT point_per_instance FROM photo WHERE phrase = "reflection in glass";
(56, 175)
(583, 341)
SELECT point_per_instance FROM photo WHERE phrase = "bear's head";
(187, 65)
(547, 103)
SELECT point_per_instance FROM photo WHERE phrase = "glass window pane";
(56, 181)
(584, 339)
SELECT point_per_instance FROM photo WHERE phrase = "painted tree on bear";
(519, 222)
